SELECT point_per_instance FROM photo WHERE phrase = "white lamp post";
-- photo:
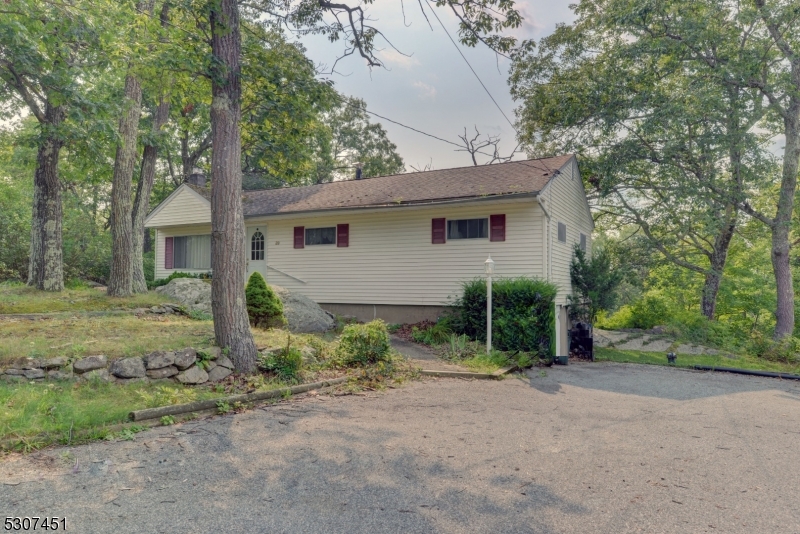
(489, 270)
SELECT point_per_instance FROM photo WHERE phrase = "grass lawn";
(689, 360)
(36, 415)
(112, 335)
(483, 363)
(18, 298)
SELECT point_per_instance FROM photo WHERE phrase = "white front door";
(256, 250)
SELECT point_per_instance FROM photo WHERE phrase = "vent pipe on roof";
(358, 171)
(197, 178)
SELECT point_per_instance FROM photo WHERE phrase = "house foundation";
(391, 313)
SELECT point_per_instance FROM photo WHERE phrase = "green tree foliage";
(594, 284)
(523, 314)
(50, 52)
(263, 305)
(665, 145)
(348, 139)
(730, 73)
(86, 244)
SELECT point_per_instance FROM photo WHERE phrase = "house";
(395, 247)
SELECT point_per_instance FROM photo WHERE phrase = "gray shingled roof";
(516, 177)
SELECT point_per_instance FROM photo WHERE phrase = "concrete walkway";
(589, 448)
(422, 356)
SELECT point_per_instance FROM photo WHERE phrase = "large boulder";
(192, 293)
(303, 314)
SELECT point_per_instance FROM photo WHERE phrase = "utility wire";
(470, 66)
(342, 97)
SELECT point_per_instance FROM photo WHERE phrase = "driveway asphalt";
(587, 448)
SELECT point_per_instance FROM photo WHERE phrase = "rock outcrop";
(192, 293)
(303, 315)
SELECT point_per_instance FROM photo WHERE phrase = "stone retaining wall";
(187, 366)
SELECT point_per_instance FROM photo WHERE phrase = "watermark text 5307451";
(35, 524)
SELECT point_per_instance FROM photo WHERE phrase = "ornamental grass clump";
(365, 344)
(264, 307)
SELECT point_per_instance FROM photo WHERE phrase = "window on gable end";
(562, 232)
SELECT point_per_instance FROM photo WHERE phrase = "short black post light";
(671, 357)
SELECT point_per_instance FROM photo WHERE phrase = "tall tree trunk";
(781, 266)
(120, 282)
(141, 204)
(46, 268)
(719, 256)
(231, 323)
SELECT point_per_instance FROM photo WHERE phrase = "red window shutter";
(299, 236)
(497, 227)
(438, 231)
(342, 235)
(168, 252)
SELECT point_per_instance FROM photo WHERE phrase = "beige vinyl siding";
(186, 207)
(566, 201)
(176, 231)
(391, 260)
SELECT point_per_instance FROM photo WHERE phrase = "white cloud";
(425, 91)
(395, 58)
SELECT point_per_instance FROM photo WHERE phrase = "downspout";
(548, 241)
(548, 270)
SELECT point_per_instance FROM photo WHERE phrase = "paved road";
(587, 448)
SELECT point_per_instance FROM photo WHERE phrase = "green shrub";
(523, 314)
(785, 351)
(622, 318)
(75, 283)
(594, 284)
(436, 334)
(285, 363)
(263, 305)
(649, 311)
(149, 265)
(365, 343)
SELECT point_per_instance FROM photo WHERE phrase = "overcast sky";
(434, 90)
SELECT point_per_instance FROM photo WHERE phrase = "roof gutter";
(511, 196)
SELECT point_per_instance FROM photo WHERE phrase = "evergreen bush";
(523, 314)
(263, 305)
(365, 343)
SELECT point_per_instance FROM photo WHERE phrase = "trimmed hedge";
(523, 314)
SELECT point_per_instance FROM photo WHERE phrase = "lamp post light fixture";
(489, 271)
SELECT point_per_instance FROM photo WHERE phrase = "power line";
(470, 66)
(342, 97)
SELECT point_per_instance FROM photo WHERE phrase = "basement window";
(321, 236)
